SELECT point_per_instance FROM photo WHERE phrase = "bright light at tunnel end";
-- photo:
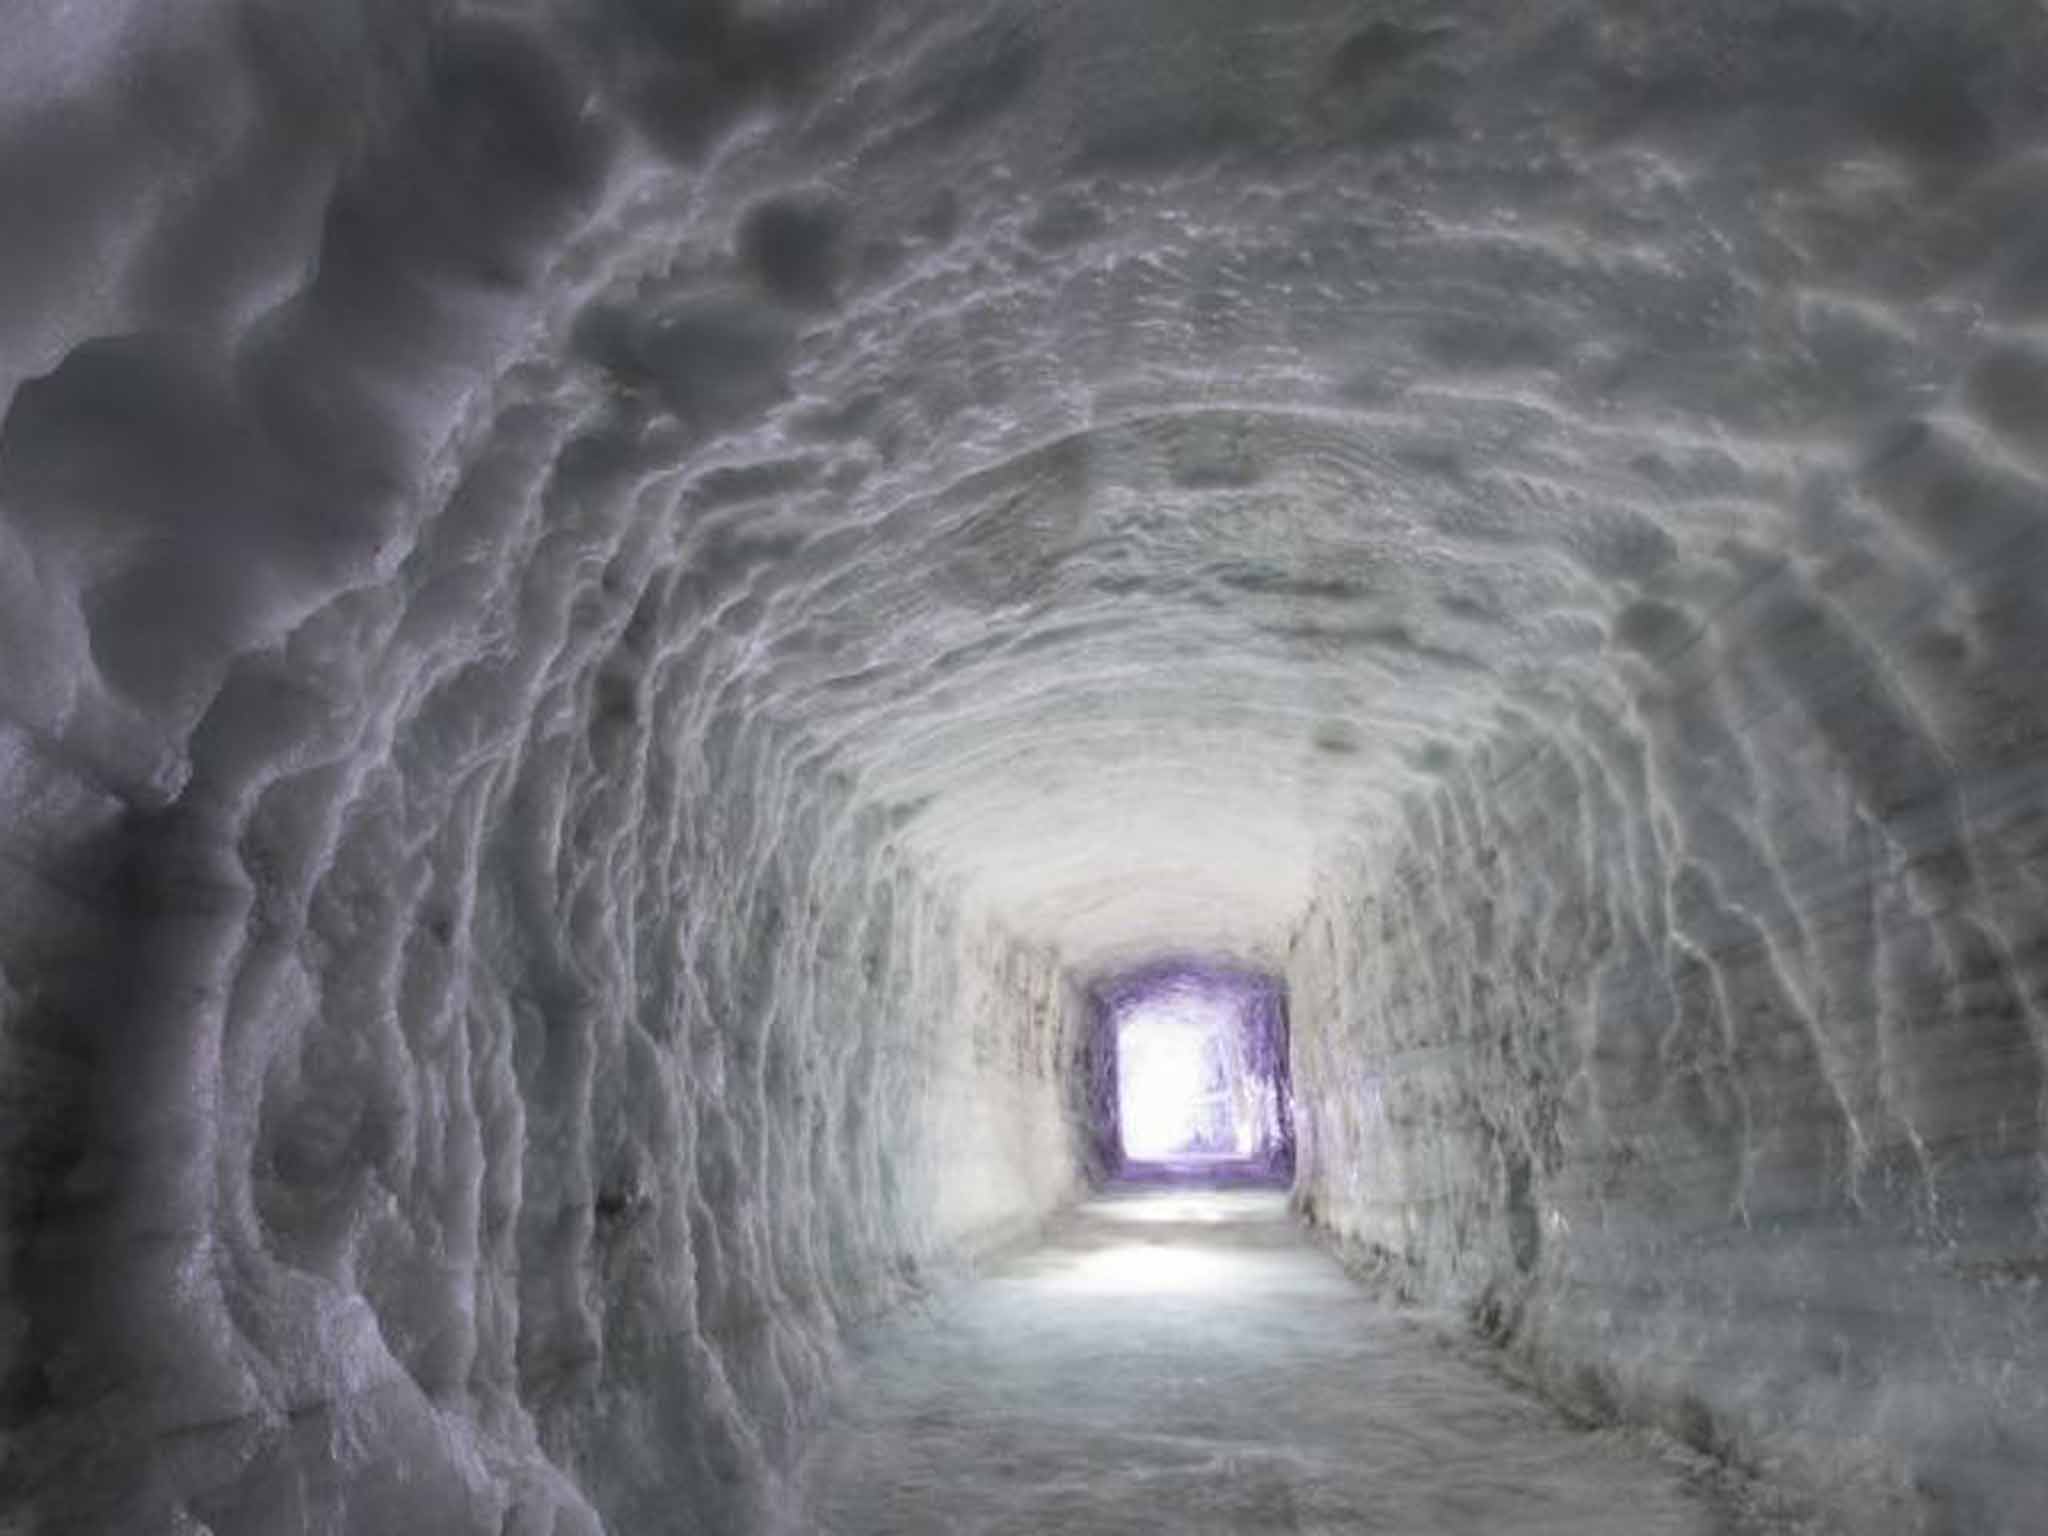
(1165, 1066)
(1201, 1064)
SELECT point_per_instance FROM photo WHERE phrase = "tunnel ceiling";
(1127, 446)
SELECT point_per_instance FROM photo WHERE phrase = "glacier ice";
(613, 614)
(1178, 1360)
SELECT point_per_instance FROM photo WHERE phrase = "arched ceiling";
(1191, 428)
(1135, 444)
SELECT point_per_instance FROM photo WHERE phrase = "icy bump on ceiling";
(522, 531)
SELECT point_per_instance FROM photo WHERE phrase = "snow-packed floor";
(1184, 1359)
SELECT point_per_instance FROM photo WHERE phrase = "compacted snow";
(615, 615)
(1176, 1358)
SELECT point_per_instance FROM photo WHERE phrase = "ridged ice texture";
(1715, 1086)
(467, 1051)
(597, 601)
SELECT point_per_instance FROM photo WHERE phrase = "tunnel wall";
(463, 1058)
(465, 1052)
(483, 1141)
(1688, 1035)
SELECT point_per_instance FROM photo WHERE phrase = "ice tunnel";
(623, 624)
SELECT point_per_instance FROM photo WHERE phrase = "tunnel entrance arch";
(1190, 1060)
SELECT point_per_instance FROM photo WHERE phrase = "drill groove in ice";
(608, 613)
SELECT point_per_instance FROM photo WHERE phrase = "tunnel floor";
(1178, 1356)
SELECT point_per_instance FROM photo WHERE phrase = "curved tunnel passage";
(610, 612)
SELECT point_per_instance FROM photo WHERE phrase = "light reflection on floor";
(1179, 1359)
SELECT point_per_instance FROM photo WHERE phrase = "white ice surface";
(1185, 1362)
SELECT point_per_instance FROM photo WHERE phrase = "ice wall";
(601, 604)
(466, 1052)
(477, 1097)
(1689, 1038)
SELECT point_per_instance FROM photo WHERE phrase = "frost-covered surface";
(600, 603)
(1691, 1037)
(1180, 1361)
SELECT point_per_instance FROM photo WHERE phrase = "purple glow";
(1191, 1058)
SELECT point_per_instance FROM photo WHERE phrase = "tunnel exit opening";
(1194, 1067)
(1179, 1082)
